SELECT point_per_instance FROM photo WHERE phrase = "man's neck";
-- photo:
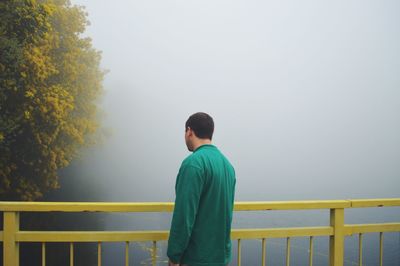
(201, 142)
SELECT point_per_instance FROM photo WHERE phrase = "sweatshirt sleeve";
(188, 189)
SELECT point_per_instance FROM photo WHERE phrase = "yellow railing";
(11, 235)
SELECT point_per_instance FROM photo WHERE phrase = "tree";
(50, 81)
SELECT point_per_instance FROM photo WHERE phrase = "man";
(205, 190)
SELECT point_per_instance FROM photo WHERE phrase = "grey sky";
(305, 95)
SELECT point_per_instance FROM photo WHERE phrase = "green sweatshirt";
(201, 223)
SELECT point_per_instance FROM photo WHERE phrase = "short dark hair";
(202, 124)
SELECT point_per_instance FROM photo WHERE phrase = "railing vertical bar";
(336, 241)
(71, 254)
(239, 253)
(311, 251)
(154, 255)
(380, 248)
(288, 251)
(360, 238)
(43, 254)
(127, 253)
(264, 242)
(10, 245)
(99, 254)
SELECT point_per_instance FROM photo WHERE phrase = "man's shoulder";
(191, 160)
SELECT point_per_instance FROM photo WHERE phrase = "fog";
(305, 95)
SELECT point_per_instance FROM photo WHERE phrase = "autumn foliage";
(50, 80)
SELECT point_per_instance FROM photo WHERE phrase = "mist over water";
(305, 97)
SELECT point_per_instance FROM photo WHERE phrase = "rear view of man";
(205, 190)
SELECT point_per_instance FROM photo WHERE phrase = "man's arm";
(189, 185)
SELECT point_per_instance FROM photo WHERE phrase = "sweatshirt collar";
(205, 146)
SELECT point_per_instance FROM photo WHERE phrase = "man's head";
(199, 129)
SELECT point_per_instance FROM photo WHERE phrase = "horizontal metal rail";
(351, 229)
(136, 236)
(169, 206)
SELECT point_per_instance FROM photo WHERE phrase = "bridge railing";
(337, 230)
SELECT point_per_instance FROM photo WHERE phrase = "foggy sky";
(305, 95)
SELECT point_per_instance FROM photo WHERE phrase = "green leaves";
(50, 80)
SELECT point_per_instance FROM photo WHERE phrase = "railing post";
(10, 246)
(336, 242)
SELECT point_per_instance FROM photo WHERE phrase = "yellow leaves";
(43, 109)
(32, 2)
(29, 94)
(52, 78)
(74, 133)
(49, 8)
(28, 189)
(10, 83)
(58, 103)
(53, 161)
(27, 115)
(40, 65)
